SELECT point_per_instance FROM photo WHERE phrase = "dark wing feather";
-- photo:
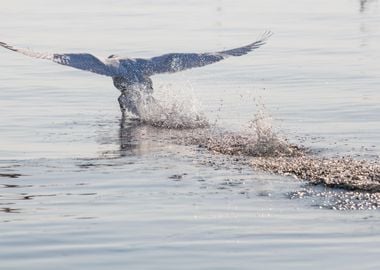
(173, 62)
(83, 61)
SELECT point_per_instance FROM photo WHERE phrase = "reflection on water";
(365, 24)
(129, 137)
(136, 138)
(364, 4)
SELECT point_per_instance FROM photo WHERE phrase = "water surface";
(79, 190)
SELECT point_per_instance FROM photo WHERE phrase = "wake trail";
(267, 149)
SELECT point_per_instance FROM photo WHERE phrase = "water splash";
(257, 139)
(172, 110)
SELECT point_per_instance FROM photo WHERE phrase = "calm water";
(94, 194)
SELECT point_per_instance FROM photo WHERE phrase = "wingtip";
(3, 44)
(266, 35)
(6, 46)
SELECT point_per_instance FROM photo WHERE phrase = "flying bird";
(132, 75)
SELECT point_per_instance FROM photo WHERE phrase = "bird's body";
(132, 75)
(134, 91)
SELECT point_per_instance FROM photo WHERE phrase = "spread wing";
(83, 61)
(174, 62)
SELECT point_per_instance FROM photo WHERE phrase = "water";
(95, 193)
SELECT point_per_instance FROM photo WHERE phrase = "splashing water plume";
(173, 110)
(257, 139)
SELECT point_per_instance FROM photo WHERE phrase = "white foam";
(173, 108)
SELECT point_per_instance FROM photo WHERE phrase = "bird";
(132, 76)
